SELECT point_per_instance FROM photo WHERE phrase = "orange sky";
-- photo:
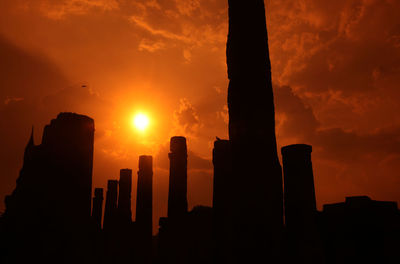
(335, 66)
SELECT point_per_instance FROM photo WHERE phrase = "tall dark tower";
(257, 172)
(97, 209)
(300, 204)
(177, 195)
(144, 208)
(110, 211)
(124, 196)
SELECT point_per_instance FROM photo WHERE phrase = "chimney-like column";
(177, 195)
(124, 196)
(257, 174)
(299, 192)
(144, 208)
(110, 212)
(144, 201)
(97, 209)
(223, 207)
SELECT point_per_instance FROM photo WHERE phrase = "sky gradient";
(335, 69)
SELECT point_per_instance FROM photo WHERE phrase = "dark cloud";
(26, 75)
(186, 118)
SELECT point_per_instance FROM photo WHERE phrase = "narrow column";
(299, 193)
(223, 207)
(124, 196)
(110, 212)
(300, 204)
(97, 209)
(177, 195)
(144, 208)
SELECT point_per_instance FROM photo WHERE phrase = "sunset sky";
(335, 68)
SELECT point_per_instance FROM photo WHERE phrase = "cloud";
(151, 46)
(187, 7)
(24, 74)
(62, 8)
(140, 22)
(186, 118)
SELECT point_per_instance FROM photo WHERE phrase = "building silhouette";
(48, 215)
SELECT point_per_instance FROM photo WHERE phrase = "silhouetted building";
(124, 196)
(48, 215)
(177, 194)
(97, 209)
(257, 172)
(110, 211)
(144, 209)
(300, 205)
(223, 208)
(361, 230)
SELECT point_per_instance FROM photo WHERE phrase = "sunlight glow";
(141, 122)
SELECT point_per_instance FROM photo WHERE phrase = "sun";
(141, 122)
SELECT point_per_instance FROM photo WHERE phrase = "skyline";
(336, 116)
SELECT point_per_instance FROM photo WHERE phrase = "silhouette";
(223, 207)
(177, 195)
(97, 210)
(361, 230)
(172, 240)
(124, 197)
(110, 213)
(48, 215)
(300, 205)
(257, 173)
(144, 209)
